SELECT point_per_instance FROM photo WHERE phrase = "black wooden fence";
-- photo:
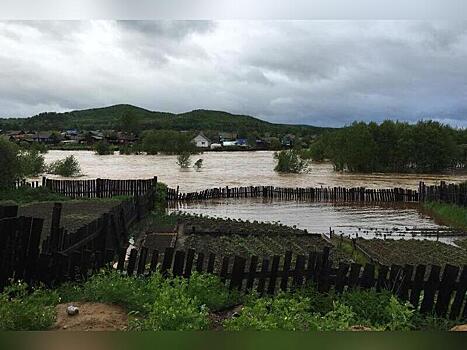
(443, 292)
(99, 188)
(446, 193)
(356, 194)
(24, 256)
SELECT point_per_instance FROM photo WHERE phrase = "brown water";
(257, 168)
(366, 221)
(234, 169)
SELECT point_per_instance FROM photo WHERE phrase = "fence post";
(55, 226)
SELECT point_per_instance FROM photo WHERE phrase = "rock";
(72, 310)
(459, 328)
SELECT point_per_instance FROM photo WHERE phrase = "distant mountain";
(110, 118)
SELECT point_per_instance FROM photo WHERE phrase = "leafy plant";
(10, 165)
(198, 164)
(183, 160)
(32, 163)
(290, 161)
(103, 148)
(65, 167)
(21, 310)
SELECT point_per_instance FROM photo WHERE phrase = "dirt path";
(91, 317)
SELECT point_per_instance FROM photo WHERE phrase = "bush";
(210, 291)
(32, 163)
(290, 161)
(65, 167)
(198, 164)
(173, 310)
(21, 310)
(289, 312)
(183, 159)
(103, 148)
(167, 142)
(10, 166)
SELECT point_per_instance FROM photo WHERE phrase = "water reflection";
(401, 221)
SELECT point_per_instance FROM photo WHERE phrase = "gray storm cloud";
(312, 72)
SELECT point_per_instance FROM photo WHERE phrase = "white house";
(201, 141)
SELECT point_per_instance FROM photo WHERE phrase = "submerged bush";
(183, 160)
(103, 148)
(290, 161)
(65, 167)
(21, 310)
(32, 163)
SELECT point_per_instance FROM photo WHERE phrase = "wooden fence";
(55, 259)
(446, 193)
(442, 292)
(341, 194)
(99, 188)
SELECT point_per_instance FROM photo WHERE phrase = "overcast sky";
(325, 73)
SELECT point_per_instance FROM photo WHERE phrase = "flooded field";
(365, 221)
(234, 169)
(257, 168)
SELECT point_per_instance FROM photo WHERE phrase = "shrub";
(183, 159)
(173, 310)
(112, 287)
(103, 148)
(198, 164)
(10, 166)
(290, 161)
(65, 167)
(24, 311)
(32, 163)
(378, 309)
(209, 290)
(289, 312)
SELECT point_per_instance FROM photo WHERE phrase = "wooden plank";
(263, 276)
(354, 275)
(273, 275)
(406, 282)
(167, 260)
(179, 263)
(252, 273)
(238, 269)
(298, 275)
(154, 260)
(430, 290)
(417, 285)
(200, 262)
(368, 276)
(341, 277)
(211, 261)
(310, 267)
(190, 256)
(285, 271)
(132, 262)
(446, 288)
(121, 259)
(224, 268)
(143, 255)
(460, 295)
(381, 282)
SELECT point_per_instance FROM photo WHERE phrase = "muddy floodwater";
(234, 169)
(366, 221)
(257, 168)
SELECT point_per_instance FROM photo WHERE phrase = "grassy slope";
(449, 214)
(108, 117)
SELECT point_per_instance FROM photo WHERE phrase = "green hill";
(109, 118)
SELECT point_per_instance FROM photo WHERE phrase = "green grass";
(157, 303)
(449, 214)
(346, 248)
(24, 195)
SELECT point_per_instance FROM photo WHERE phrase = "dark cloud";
(313, 72)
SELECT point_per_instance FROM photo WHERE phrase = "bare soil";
(91, 317)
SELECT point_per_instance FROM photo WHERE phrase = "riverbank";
(449, 214)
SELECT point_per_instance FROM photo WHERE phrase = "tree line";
(427, 146)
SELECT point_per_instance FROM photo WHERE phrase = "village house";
(45, 137)
(201, 141)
